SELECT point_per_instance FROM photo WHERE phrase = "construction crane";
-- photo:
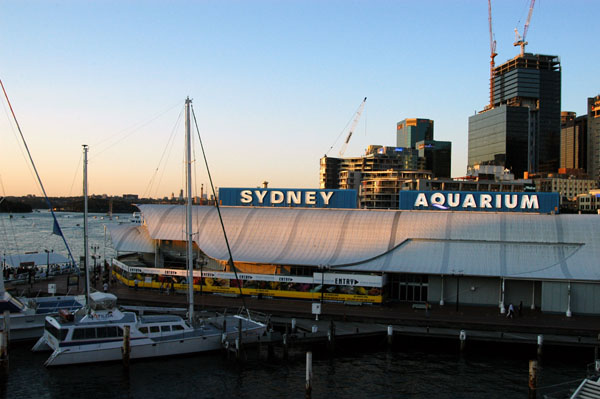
(493, 55)
(352, 127)
(520, 40)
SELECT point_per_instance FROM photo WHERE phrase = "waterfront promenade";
(480, 323)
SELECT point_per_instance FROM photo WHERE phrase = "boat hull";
(143, 348)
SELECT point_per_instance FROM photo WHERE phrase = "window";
(101, 332)
(177, 327)
(78, 333)
(144, 330)
(165, 328)
(90, 333)
(154, 329)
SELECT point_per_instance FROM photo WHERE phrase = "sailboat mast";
(85, 226)
(188, 219)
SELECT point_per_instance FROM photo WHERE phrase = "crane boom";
(353, 126)
(520, 40)
(493, 55)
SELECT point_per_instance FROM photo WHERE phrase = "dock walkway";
(477, 322)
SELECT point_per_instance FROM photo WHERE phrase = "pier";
(394, 321)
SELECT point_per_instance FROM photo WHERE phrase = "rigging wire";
(76, 174)
(19, 144)
(230, 261)
(167, 150)
(134, 128)
(56, 227)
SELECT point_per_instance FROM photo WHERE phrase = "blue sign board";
(483, 201)
(288, 197)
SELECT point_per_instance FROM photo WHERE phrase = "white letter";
(309, 198)
(437, 198)
(246, 197)
(469, 201)
(294, 197)
(453, 200)
(498, 201)
(510, 201)
(421, 200)
(326, 196)
(529, 202)
(485, 201)
(260, 195)
(277, 197)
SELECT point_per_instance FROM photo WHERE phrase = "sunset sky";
(273, 83)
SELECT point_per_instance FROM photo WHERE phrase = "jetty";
(355, 321)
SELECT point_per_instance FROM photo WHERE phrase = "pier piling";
(532, 379)
(4, 347)
(331, 337)
(463, 339)
(239, 346)
(293, 326)
(540, 343)
(390, 335)
(126, 350)
(309, 374)
(7, 325)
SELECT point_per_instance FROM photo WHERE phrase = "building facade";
(522, 129)
(573, 141)
(593, 138)
(412, 130)
(436, 156)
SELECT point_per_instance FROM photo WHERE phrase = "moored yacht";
(97, 334)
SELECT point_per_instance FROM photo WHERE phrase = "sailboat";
(26, 316)
(97, 333)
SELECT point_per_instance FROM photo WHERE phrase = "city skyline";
(274, 84)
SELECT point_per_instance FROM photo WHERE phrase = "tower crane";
(520, 40)
(493, 55)
(352, 127)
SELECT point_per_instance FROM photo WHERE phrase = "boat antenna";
(56, 227)
(230, 261)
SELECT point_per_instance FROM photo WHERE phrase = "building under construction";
(520, 129)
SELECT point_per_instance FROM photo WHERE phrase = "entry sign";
(316, 308)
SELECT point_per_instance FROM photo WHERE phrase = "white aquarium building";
(546, 261)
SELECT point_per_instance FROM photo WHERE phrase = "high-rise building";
(573, 141)
(410, 131)
(436, 156)
(593, 138)
(522, 130)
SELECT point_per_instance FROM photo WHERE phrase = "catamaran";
(97, 332)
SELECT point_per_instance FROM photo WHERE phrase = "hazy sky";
(273, 83)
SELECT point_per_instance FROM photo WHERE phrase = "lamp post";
(322, 269)
(48, 261)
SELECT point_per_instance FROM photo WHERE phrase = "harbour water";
(412, 369)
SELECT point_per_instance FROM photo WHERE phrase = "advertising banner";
(481, 201)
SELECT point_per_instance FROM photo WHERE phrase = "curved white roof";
(435, 242)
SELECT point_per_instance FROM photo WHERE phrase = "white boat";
(97, 332)
(97, 335)
(136, 218)
(27, 315)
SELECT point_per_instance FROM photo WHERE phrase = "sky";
(274, 83)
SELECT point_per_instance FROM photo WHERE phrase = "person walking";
(511, 311)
